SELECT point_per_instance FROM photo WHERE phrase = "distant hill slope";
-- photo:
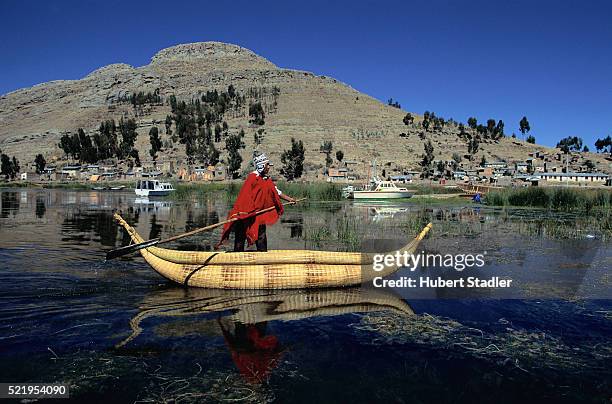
(310, 107)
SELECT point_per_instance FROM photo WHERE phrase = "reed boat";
(275, 269)
(256, 306)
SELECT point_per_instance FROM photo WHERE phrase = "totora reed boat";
(275, 269)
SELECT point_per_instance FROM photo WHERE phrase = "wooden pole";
(118, 252)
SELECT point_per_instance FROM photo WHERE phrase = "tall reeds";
(557, 198)
(320, 191)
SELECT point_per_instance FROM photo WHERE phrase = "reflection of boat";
(382, 190)
(153, 188)
(347, 192)
(257, 306)
(276, 269)
(153, 203)
(381, 213)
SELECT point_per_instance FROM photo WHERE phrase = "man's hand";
(290, 200)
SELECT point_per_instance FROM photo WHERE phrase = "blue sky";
(548, 60)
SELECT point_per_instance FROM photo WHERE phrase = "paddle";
(118, 252)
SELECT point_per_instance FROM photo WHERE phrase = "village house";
(485, 172)
(404, 179)
(496, 164)
(71, 171)
(459, 175)
(571, 177)
(521, 167)
(336, 174)
(549, 168)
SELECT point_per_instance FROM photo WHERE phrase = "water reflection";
(254, 351)
(243, 316)
(40, 206)
(295, 224)
(79, 306)
(156, 228)
(10, 204)
(79, 225)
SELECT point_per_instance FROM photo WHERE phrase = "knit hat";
(260, 162)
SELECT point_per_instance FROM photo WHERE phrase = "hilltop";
(309, 107)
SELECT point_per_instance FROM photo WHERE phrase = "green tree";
(499, 129)
(483, 161)
(233, 144)
(218, 132)
(173, 103)
(168, 124)
(604, 144)
(40, 163)
(16, 166)
(473, 146)
(155, 142)
(456, 160)
(491, 127)
(531, 139)
(408, 119)
(394, 104)
(585, 149)
(570, 143)
(339, 155)
(258, 136)
(426, 120)
(6, 167)
(70, 145)
(524, 126)
(127, 129)
(472, 122)
(87, 152)
(293, 160)
(136, 156)
(457, 157)
(256, 113)
(327, 148)
(427, 160)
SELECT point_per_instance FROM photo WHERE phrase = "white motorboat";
(382, 190)
(153, 188)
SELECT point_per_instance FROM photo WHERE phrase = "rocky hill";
(306, 106)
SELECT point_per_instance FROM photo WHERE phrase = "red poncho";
(257, 193)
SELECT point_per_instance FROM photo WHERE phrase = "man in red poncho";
(258, 192)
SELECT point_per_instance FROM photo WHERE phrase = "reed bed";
(557, 198)
(525, 350)
(316, 191)
(429, 189)
(345, 234)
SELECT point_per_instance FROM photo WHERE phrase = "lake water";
(117, 331)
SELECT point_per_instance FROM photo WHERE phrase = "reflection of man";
(258, 192)
(254, 353)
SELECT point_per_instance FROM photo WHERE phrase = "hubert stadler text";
(439, 282)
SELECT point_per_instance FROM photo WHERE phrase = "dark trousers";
(240, 237)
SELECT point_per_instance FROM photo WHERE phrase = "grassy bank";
(76, 185)
(557, 198)
(429, 189)
(316, 191)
